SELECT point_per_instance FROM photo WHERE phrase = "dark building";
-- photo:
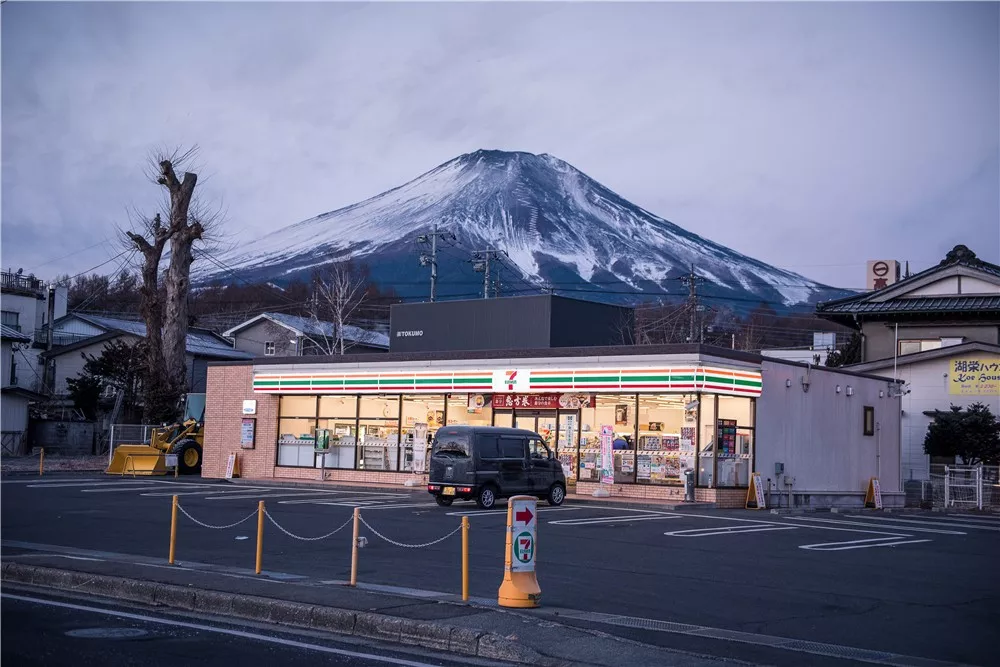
(510, 323)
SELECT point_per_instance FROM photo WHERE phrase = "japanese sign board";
(873, 496)
(542, 401)
(607, 455)
(523, 531)
(232, 467)
(755, 494)
(974, 376)
(248, 426)
(881, 273)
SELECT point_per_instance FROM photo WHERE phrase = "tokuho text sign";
(523, 524)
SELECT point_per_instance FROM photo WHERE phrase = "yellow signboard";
(975, 376)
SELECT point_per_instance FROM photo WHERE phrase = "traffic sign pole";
(520, 585)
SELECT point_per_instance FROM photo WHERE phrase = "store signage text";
(542, 401)
(974, 376)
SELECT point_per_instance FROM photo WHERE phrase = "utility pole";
(482, 263)
(694, 309)
(431, 259)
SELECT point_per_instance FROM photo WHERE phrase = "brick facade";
(723, 498)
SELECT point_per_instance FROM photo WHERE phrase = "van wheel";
(557, 494)
(443, 502)
(486, 498)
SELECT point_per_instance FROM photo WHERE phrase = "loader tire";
(188, 456)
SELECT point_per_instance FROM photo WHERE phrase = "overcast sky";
(811, 136)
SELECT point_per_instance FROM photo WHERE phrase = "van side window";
(487, 447)
(512, 448)
(537, 449)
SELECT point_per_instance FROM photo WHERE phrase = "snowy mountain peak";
(559, 227)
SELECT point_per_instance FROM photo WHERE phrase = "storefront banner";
(542, 401)
(419, 447)
(607, 455)
(975, 376)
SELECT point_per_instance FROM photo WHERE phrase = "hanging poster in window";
(621, 415)
(643, 467)
(419, 447)
(607, 455)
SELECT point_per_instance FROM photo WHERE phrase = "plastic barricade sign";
(873, 496)
(523, 530)
(755, 494)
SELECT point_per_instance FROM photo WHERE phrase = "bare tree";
(339, 291)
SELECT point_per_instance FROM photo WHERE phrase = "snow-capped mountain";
(559, 228)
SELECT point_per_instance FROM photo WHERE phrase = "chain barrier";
(206, 525)
(306, 539)
(407, 546)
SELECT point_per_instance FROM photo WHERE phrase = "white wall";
(29, 308)
(70, 364)
(6, 352)
(818, 434)
(13, 413)
(972, 285)
(938, 288)
(927, 383)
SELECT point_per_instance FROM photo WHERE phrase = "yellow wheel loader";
(184, 440)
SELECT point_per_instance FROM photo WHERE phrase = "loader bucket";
(137, 460)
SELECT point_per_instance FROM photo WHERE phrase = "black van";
(489, 462)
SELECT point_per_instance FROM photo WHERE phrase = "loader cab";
(485, 463)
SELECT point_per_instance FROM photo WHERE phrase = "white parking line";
(726, 530)
(860, 544)
(501, 512)
(160, 493)
(931, 522)
(263, 495)
(345, 502)
(624, 518)
(877, 525)
(398, 507)
(87, 484)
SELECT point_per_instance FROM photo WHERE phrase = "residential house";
(14, 394)
(80, 335)
(939, 331)
(281, 335)
(24, 308)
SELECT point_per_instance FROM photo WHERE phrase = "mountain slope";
(558, 226)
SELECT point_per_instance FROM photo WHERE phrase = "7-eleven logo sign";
(510, 380)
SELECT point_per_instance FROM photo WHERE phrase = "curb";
(365, 625)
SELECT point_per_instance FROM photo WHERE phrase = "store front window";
(378, 433)
(619, 412)
(297, 431)
(469, 410)
(338, 414)
(734, 440)
(666, 439)
(422, 416)
(706, 440)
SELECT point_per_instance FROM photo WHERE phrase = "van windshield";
(453, 443)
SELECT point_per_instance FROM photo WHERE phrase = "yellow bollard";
(41, 461)
(260, 535)
(173, 529)
(520, 587)
(354, 547)
(465, 559)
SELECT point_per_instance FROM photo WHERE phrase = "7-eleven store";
(719, 413)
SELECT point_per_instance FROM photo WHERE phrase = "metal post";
(434, 263)
(465, 559)
(111, 445)
(260, 535)
(41, 461)
(947, 475)
(173, 529)
(354, 547)
(979, 486)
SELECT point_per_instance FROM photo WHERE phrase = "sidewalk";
(478, 628)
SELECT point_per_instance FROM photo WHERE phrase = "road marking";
(184, 488)
(726, 530)
(625, 518)
(859, 544)
(983, 519)
(347, 501)
(222, 631)
(847, 653)
(876, 525)
(401, 506)
(160, 493)
(929, 522)
(65, 485)
(502, 514)
(319, 495)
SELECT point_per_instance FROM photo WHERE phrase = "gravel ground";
(53, 463)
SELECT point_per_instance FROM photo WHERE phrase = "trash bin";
(689, 485)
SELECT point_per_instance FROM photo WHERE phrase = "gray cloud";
(812, 136)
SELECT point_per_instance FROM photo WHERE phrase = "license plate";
(448, 491)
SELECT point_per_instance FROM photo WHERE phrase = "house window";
(869, 424)
(11, 318)
(269, 348)
(914, 346)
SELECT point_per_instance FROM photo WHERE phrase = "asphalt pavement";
(838, 584)
(51, 631)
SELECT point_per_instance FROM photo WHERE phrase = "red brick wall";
(227, 387)
(349, 477)
(724, 498)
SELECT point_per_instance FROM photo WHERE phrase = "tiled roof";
(199, 342)
(7, 333)
(947, 304)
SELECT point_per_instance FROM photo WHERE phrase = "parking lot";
(913, 583)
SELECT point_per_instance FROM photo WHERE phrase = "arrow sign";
(524, 516)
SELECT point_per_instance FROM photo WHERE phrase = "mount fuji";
(560, 229)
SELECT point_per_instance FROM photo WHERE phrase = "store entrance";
(559, 428)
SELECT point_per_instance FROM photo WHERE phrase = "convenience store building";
(816, 434)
